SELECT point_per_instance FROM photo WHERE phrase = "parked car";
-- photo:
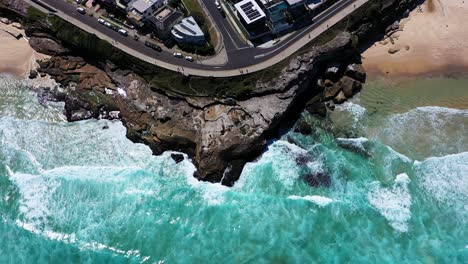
(189, 58)
(101, 21)
(123, 32)
(153, 46)
(115, 28)
(218, 5)
(130, 26)
(81, 10)
(177, 55)
(107, 24)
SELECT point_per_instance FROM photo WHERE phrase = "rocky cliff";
(219, 134)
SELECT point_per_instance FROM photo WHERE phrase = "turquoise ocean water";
(75, 192)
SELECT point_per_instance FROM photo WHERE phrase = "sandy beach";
(16, 56)
(433, 39)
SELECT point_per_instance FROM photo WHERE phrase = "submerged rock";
(320, 179)
(178, 158)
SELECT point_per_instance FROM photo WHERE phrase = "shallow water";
(80, 193)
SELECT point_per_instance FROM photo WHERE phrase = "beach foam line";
(321, 201)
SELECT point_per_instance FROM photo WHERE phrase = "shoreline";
(430, 42)
(17, 57)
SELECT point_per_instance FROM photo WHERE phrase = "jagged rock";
(340, 98)
(350, 86)
(320, 179)
(332, 71)
(5, 20)
(178, 158)
(32, 74)
(80, 115)
(331, 92)
(47, 46)
(354, 145)
(220, 137)
(357, 72)
(328, 83)
(302, 127)
(17, 25)
(317, 108)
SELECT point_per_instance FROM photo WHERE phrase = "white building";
(140, 10)
(250, 13)
(188, 31)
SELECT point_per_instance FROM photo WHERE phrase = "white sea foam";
(443, 127)
(71, 239)
(278, 164)
(393, 203)
(446, 180)
(316, 199)
(356, 111)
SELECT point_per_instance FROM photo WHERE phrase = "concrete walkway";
(293, 44)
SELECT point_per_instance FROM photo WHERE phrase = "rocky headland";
(219, 133)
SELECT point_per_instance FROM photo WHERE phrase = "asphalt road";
(239, 54)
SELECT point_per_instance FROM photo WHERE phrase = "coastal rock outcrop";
(219, 134)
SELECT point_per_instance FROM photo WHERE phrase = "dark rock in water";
(340, 98)
(105, 127)
(232, 172)
(317, 108)
(32, 74)
(303, 159)
(80, 115)
(354, 145)
(178, 158)
(302, 127)
(331, 92)
(320, 179)
(357, 72)
(350, 86)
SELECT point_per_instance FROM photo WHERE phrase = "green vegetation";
(193, 6)
(93, 48)
(33, 14)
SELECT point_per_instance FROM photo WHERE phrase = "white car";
(101, 21)
(107, 24)
(189, 58)
(177, 55)
(123, 32)
(81, 10)
(217, 5)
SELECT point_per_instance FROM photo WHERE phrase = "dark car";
(153, 46)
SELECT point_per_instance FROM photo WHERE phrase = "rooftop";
(142, 5)
(163, 14)
(249, 10)
(189, 27)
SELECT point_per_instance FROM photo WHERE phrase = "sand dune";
(434, 39)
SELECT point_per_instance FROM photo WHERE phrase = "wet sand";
(433, 42)
(16, 56)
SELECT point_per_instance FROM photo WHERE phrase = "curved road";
(241, 59)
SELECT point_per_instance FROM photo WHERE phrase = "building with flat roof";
(250, 14)
(140, 10)
(163, 21)
(188, 31)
